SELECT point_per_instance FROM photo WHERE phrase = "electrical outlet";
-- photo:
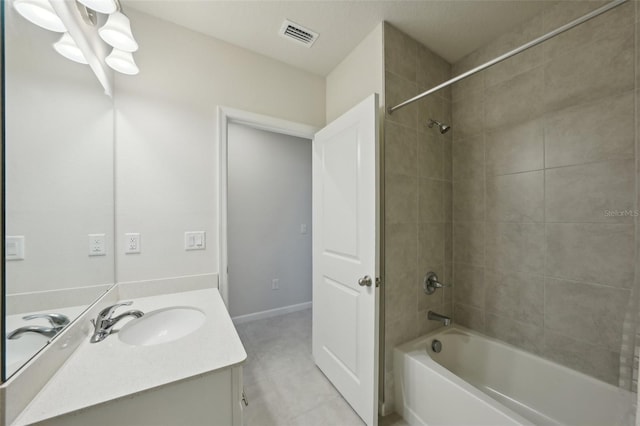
(275, 284)
(97, 245)
(132, 243)
(303, 229)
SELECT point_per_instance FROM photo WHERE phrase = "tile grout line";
(484, 202)
(634, 294)
(544, 212)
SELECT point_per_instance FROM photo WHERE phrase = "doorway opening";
(265, 217)
(269, 223)
(345, 293)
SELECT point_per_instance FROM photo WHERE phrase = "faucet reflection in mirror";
(116, 32)
(57, 321)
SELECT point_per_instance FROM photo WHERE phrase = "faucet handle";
(431, 283)
(109, 310)
(56, 320)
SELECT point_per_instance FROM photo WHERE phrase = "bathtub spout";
(437, 317)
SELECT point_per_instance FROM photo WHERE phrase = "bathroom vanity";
(195, 379)
(59, 203)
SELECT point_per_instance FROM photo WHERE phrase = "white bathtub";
(477, 380)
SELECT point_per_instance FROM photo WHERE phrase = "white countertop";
(100, 372)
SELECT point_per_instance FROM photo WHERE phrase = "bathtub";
(477, 380)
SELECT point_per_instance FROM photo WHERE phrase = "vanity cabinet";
(211, 399)
(195, 380)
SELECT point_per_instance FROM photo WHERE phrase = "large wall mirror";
(59, 180)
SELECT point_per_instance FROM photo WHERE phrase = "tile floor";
(281, 381)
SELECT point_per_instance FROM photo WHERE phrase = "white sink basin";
(19, 351)
(162, 326)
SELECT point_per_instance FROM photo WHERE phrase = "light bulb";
(68, 48)
(41, 13)
(122, 61)
(117, 32)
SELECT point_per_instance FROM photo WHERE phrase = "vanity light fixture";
(117, 32)
(122, 62)
(102, 6)
(41, 13)
(68, 48)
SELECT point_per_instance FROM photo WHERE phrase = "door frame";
(226, 115)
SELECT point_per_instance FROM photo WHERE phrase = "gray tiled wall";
(543, 146)
(418, 194)
(510, 206)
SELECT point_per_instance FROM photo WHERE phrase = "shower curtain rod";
(511, 53)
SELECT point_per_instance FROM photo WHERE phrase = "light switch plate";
(14, 247)
(195, 240)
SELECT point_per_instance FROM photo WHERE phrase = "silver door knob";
(365, 281)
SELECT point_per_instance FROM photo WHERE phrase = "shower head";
(444, 128)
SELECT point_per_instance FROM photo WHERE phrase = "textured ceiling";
(451, 28)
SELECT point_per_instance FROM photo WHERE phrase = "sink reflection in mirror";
(21, 350)
(22, 347)
(162, 326)
(59, 184)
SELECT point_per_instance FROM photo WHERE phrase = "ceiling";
(451, 28)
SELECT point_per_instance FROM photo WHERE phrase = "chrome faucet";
(431, 283)
(45, 331)
(437, 317)
(57, 321)
(104, 323)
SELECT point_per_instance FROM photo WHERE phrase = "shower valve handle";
(431, 283)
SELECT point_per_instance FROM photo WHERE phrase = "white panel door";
(345, 302)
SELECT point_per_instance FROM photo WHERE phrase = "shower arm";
(511, 53)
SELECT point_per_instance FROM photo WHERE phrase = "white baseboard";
(271, 313)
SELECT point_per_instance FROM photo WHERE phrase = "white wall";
(59, 167)
(269, 199)
(357, 76)
(166, 176)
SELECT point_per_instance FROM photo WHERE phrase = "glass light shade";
(122, 61)
(101, 6)
(117, 32)
(68, 48)
(41, 13)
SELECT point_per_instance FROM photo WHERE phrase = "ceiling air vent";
(298, 33)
